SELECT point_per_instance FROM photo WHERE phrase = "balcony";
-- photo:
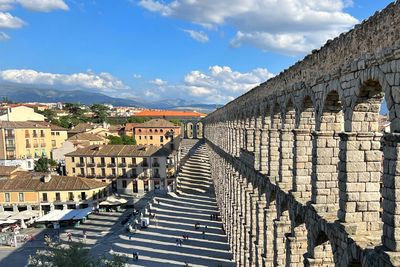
(101, 165)
(156, 164)
(122, 164)
(44, 200)
(91, 165)
(35, 145)
(111, 176)
(10, 136)
(111, 165)
(80, 164)
(10, 147)
(28, 146)
(81, 175)
(132, 165)
(91, 176)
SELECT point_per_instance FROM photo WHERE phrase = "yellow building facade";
(25, 140)
(131, 169)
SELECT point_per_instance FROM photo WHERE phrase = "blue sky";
(205, 51)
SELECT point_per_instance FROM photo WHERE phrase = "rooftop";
(28, 181)
(169, 113)
(7, 170)
(30, 125)
(121, 151)
(85, 137)
(157, 123)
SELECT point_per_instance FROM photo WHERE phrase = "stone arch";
(199, 129)
(190, 130)
(274, 142)
(322, 252)
(331, 116)
(296, 240)
(306, 114)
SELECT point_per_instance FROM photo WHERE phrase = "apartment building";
(27, 140)
(132, 169)
(21, 190)
(19, 113)
(156, 132)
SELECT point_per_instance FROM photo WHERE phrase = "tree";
(43, 164)
(176, 121)
(6, 100)
(58, 255)
(122, 140)
(100, 112)
(75, 109)
(138, 119)
(48, 113)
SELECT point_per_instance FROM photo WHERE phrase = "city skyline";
(153, 50)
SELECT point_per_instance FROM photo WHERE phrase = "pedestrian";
(158, 201)
(205, 227)
(69, 235)
(204, 234)
(184, 236)
(187, 237)
(177, 242)
(211, 216)
(84, 236)
(180, 242)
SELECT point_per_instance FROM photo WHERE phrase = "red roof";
(168, 113)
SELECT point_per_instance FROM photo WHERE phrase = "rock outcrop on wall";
(302, 173)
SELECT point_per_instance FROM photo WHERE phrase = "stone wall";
(302, 174)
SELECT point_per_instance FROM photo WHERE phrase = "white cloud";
(90, 80)
(198, 36)
(9, 21)
(285, 26)
(158, 82)
(219, 85)
(4, 36)
(43, 5)
(136, 76)
(6, 5)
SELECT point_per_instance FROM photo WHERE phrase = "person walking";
(84, 237)
(177, 242)
(204, 235)
(69, 235)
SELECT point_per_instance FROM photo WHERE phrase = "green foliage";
(48, 113)
(75, 109)
(76, 255)
(100, 112)
(7, 100)
(176, 121)
(43, 164)
(122, 140)
(138, 119)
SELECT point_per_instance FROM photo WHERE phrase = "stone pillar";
(260, 230)
(297, 246)
(324, 177)
(302, 165)
(359, 182)
(390, 192)
(257, 149)
(273, 159)
(286, 160)
(268, 248)
(250, 139)
(281, 228)
(264, 151)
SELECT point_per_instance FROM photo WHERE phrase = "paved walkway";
(177, 215)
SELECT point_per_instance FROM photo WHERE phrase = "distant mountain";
(20, 93)
(28, 94)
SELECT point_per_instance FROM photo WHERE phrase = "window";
(156, 185)
(21, 197)
(103, 161)
(7, 197)
(34, 133)
(103, 172)
(58, 196)
(145, 137)
(161, 139)
(123, 171)
(124, 184)
(83, 195)
(82, 171)
(58, 133)
(43, 152)
(151, 137)
(52, 133)
(113, 160)
(93, 172)
(41, 133)
(73, 170)
(123, 160)
(27, 144)
(42, 143)
(135, 187)
(73, 159)
(70, 196)
(151, 130)
(113, 171)
(140, 137)
(161, 130)
(53, 143)
(44, 197)
(81, 160)
(133, 161)
(26, 133)
(146, 186)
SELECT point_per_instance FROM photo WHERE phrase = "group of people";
(213, 217)
(135, 256)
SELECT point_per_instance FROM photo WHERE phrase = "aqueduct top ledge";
(369, 52)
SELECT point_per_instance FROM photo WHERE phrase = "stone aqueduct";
(302, 175)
